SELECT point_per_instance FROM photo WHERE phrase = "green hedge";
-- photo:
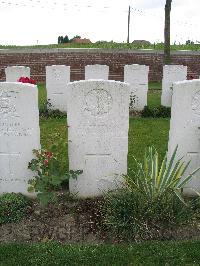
(160, 111)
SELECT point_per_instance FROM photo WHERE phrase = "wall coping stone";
(93, 50)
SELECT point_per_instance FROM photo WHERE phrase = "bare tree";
(167, 58)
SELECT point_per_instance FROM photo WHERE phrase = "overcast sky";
(27, 22)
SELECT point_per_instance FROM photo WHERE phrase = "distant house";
(141, 42)
(81, 41)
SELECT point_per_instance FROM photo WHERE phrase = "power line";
(53, 5)
(31, 3)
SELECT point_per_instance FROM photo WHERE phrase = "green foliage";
(65, 39)
(128, 216)
(189, 42)
(153, 197)
(156, 184)
(62, 39)
(50, 177)
(46, 111)
(160, 111)
(13, 207)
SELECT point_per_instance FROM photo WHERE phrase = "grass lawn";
(42, 94)
(151, 253)
(154, 85)
(154, 98)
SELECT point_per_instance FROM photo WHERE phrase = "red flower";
(32, 81)
(27, 80)
(49, 154)
(46, 162)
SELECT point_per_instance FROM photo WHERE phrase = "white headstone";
(185, 126)
(171, 74)
(96, 72)
(57, 78)
(13, 73)
(98, 119)
(19, 135)
(137, 77)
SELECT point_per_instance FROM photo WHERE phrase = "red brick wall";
(78, 58)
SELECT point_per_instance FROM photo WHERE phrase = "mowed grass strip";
(154, 98)
(155, 85)
(150, 253)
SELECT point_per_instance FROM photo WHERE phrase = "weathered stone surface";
(96, 72)
(19, 134)
(171, 74)
(57, 78)
(137, 77)
(98, 119)
(15, 72)
(185, 127)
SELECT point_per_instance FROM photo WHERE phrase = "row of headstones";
(98, 120)
(58, 76)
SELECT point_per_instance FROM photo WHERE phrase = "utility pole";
(167, 57)
(129, 13)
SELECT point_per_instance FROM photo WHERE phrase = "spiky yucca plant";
(154, 183)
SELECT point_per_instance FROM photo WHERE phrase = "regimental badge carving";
(57, 74)
(6, 105)
(196, 103)
(98, 102)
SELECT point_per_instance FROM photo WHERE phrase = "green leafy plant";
(46, 111)
(151, 200)
(128, 217)
(160, 111)
(50, 177)
(154, 183)
(13, 207)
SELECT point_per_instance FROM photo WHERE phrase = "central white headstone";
(13, 73)
(98, 120)
(137, 77)
(19, 135)
(185, 127)
(96, 72)
(57, 78)
(171, 74)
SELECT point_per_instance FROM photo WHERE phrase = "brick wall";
(37, 59)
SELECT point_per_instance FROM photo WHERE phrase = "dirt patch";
(68, 221)
(73, 221)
